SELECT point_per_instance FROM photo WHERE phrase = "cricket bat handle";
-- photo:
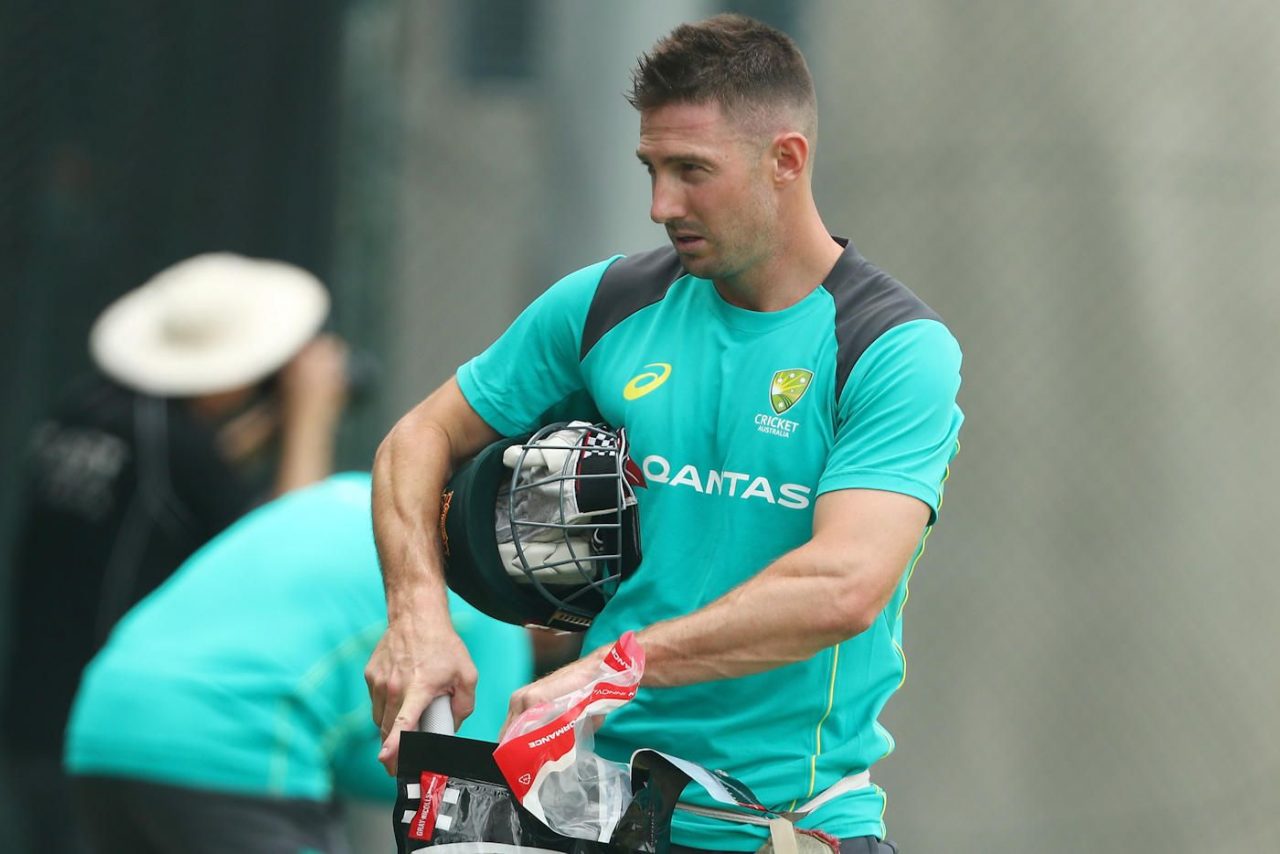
(438, 717)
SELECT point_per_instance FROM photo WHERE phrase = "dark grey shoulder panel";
(628, 285)
(869, 302)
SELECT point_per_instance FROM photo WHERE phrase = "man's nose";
(667, 204)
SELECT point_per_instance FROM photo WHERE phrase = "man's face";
(711, 188)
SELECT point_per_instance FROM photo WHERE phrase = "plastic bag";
(547, 754)
(452, 798)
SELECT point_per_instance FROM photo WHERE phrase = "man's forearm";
(801, 604)
(410, 471)
(783, 615)
(420, 657)
(820, 594)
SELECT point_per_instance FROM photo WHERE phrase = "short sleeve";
(898, 422)
(534, 365)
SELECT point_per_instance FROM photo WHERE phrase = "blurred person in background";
(217, 390)
(794, 409)
(228, 712)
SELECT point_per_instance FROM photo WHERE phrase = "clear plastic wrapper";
(547, 754)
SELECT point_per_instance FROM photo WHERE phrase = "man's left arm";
(824, 592)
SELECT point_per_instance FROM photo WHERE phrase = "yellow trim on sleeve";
(906, 587)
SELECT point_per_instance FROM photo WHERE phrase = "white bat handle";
(438, 717)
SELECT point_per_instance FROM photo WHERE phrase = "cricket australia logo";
(785, 391)
(788, 387)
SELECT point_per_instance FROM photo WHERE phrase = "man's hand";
(414, 663)
(566, 680)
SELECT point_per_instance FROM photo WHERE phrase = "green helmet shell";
(514, 588)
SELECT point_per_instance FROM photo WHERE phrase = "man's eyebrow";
(682, 157)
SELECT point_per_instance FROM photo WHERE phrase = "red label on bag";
(625, 654)
(424, 820)
(521, 758)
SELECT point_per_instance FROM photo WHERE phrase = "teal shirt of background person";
(244, 672)
(731, 487)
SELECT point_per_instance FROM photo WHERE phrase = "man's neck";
(801, 263)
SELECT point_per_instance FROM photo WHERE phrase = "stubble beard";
(739, 246)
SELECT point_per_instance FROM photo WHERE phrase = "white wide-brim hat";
(208, 324)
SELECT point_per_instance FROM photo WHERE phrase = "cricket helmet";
(541, 529)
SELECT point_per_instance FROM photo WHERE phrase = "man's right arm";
(420, 657)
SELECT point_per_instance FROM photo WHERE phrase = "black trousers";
(35, 819)
(134, 817)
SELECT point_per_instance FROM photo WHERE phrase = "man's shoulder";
(869, 302)
(652, 271)
(628, 284)
(660, 264)
(864, 292)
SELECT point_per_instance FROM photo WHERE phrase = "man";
(206, 369)
(228, 711)
(793, 409)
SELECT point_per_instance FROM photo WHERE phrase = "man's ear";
(790, 155)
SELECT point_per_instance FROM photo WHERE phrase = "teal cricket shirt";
(740, 420)
(244, 672)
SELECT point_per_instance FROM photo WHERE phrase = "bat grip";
(438, 717)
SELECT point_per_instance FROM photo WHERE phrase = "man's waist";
(853, 810)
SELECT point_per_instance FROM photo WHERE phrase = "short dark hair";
(732, 60)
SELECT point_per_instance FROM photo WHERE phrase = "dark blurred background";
(1089, 194)
(139, 134)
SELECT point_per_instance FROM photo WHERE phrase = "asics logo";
(643, 383)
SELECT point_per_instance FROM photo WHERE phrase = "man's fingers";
(391, 705)
(389, 755)
(502, 730)
(462, 704)
(405, 673)
(377, 697)
(387, 689)
(519, 702)
(407, 717)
